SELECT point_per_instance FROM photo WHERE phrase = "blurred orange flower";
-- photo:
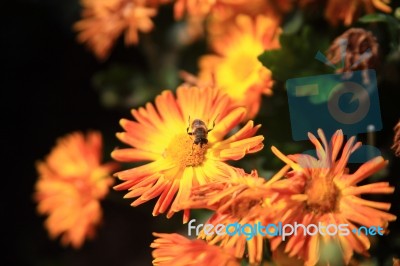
(323, 191)
(222, 18)
(161, 135)
(71, 183)
(177, 250)
(203, 8)
(200, 8)
(243, 199)
(347, 11)
(218, 16)
(104, 21)
(235, 68)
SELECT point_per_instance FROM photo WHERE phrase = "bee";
(199, 131)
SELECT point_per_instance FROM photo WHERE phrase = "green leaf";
(392, 23)
(397, 13)
(295, 23)
(295, 58)
(244, 262)
(123, 86)
(378, 17)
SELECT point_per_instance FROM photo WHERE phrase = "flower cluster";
(307, 190)
(186, 146)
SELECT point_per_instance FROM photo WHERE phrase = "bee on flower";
(199, 131)
(172, 163)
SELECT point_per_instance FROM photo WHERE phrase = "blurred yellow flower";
(71, 183)
(177, 250)
(103, 21)
(323, 191)
(347, 11)
(161, 136)
(235, 68)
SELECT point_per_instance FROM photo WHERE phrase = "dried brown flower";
(396, 140)
(361, 51)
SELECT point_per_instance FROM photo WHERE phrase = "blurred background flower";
(234, 68)
(71, 183)
(104, 21)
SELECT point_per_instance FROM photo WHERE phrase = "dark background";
(47, 91)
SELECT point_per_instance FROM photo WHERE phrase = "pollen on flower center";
(322, 194)
(182, 151)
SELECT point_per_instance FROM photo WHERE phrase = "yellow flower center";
(243, 65)
(240, 68)
(322, 194)
(182, 151)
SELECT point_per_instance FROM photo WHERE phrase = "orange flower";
(161, 135)
(218, 16)
(235, 68)
(222, 17)
(347, 11)
(176, 250)
(243, 199)
(104, 21)
(203, 8)
(71, 183)
(200, 8)
(323, 191)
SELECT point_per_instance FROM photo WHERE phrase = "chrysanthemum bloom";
(323, 191)
(164, 136)
(71, 183)
(243, 199)
(396, 140)
(104, 21)
(177, 250)
(235, 68)
(347, 11)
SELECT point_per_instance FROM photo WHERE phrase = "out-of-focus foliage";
(296, 57)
